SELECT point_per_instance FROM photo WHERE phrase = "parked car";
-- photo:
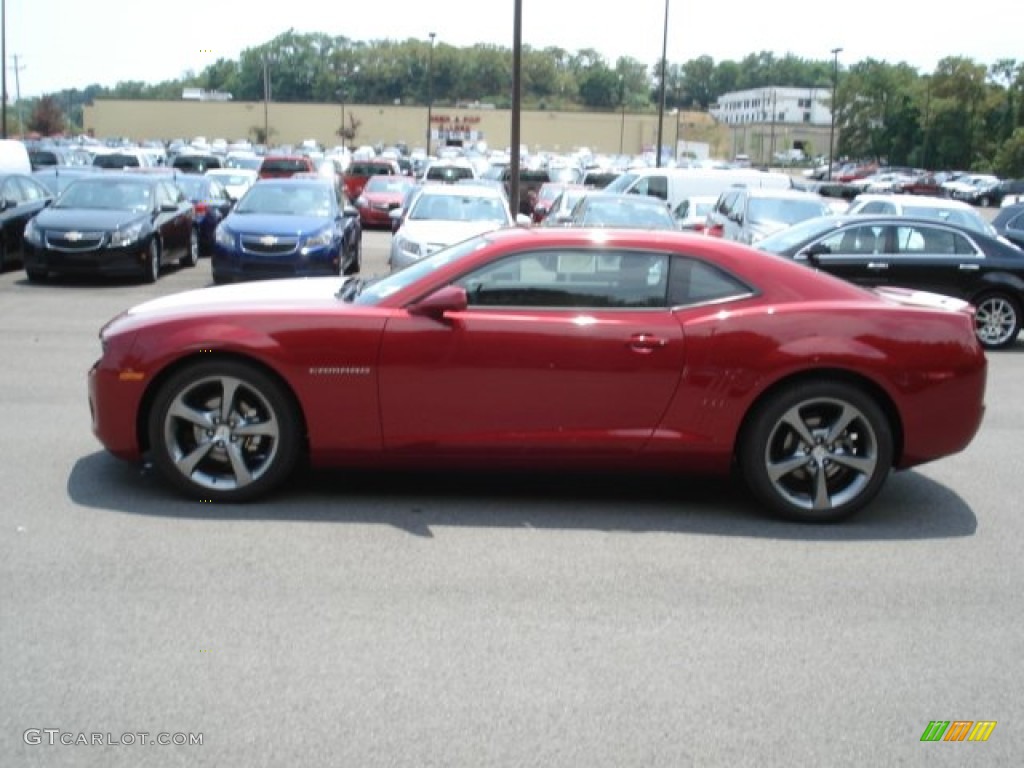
(979, 189)
(1009, 223)
(546, 195)
(57, 177)
(360, 171)
(195, 162)
(560, 211)
(692, 213)
(476, 357)
(673, 185)
(211, 203)
(113, 223)
(1009, 192)
(283, 166)
(748, 215)
(21, 198)
(953, 211)
(443, 214)
(288, 227)
(923, 184)
(449, 171)
(235, 180)
(609, 209)
(380, 196)
(921, 254)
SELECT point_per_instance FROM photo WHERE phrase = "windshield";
(433, 207)
(387, 184)
(792, 237)
(623, 183)
(106, 195)
(784, 211)
(376, 291)
(308, 200)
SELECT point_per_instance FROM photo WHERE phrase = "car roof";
(913, 201)
(462, 190)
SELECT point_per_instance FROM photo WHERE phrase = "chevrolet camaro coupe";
(549, 348)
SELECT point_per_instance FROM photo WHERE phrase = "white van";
(14, 157)
(673, 185)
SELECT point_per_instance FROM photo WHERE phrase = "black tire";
(816, 451)
(36, 275)
(224, 452)
(997, 320)
(191, 257)
(151, 264)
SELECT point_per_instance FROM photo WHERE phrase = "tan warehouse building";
(602, 132)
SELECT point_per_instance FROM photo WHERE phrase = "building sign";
(458, 128)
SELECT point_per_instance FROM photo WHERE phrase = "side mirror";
(6, 204)
(451, 298)
(811, 253)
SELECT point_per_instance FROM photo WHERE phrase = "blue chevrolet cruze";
(293, 227)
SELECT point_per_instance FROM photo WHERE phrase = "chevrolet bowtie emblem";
(74, 237)
(268, 240)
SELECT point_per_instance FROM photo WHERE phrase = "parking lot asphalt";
(382, 619)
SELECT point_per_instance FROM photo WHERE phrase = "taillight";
(200, 208)
(715, 230)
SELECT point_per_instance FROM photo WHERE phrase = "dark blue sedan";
(211, 202)
(295, 227)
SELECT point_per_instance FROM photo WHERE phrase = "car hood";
(446, 232)
(300, 292)
(86, 219)
(274, 224)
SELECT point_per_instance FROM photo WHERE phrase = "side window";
(692, 281)
(909, 240)
(962, 246)
(32, 190)
(938, 241)
(1017, 222)
(11, 191)
(652, 186)
(856, 240)
(571, 279)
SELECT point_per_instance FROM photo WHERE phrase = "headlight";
(323, 237)
(32, 233)
(126, 236)
(361, 202)
(410, 247)
(224, 237)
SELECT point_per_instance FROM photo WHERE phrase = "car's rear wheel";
(191, 258)
(151, 264)
(224, 431)
(997, 320)
(817, 451)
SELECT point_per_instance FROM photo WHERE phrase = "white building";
(809, 106)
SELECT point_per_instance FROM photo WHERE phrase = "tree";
(47, 117)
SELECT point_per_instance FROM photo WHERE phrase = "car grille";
(74, 241)
(266, 245)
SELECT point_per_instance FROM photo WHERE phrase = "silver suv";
(749, 215)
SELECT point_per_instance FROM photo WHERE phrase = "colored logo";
(958, 730)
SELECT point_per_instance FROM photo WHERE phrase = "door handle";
(877, 265)
(969, 267)
(646, 343)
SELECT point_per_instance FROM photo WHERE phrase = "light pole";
(430, 89)
(622, 106)
(3, 68)
(266, 101)
(675, 147)
(832, 129)
(661, 98)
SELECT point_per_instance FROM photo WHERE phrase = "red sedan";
(549, 348)
(380, 196)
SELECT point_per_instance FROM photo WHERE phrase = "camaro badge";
(342, 370)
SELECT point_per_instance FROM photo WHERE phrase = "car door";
(937, 259)
(559, 352)
(20, 200)
(173, 220)
(855, 252)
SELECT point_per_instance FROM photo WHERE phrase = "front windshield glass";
(375, 292)
(791, 237)
(295, 200)
(435, 207)
(108, 195)
(623, 183)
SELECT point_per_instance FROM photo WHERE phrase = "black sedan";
(21, 198)
(115, 223)
(921, 254)
(1009, 223)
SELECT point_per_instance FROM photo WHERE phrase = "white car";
(953, 211)
(235, 180)
(443, 214)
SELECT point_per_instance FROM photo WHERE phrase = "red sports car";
(545, 348)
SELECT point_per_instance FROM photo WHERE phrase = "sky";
(74, 43)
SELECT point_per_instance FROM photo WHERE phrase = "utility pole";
(17, 93)
(835, 87)
(3, 68)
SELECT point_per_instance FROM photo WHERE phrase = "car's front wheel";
(151, 263)
(997, 320)
(224, 431)
(817, 451)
